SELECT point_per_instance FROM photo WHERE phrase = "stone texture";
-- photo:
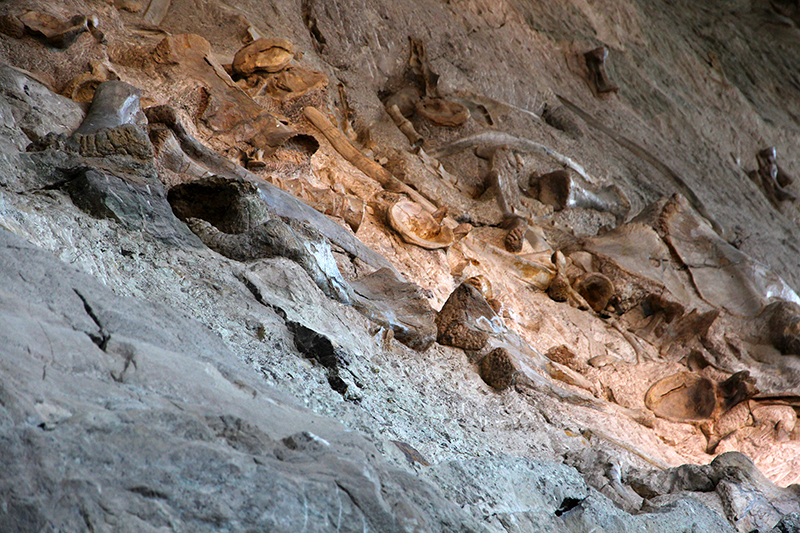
(145, 421)
(122, 415)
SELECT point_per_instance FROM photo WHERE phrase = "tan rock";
(268, 55)
(294, 81)
(55, 31)
(417, 226)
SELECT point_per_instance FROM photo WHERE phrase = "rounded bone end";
(497, 369)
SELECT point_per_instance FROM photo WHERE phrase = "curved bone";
(640, 152)
(500, 138)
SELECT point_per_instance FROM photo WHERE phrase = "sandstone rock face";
(301, 380)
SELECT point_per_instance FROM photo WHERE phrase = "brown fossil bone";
(53, 30)
(497, 369)
(417, 226)
(294, 81)
(772, 178)
(596, 289)
(551, 189)
(405, 99)
(227, 110)
(442, 111)
(466, 320)
(688, 396)
(502, 177)
(560, 289)
(360, 161)
(598, 77)
(404, 125)
(517, 229)
(268, 55)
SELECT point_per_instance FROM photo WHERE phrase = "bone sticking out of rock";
(115, 103)
(360, 161)
(498, 139)
(283, 203)
(405, 126)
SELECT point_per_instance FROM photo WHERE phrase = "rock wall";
(284, 381)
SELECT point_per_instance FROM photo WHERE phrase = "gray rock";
(122, 415)
(790, 523)
(516, 495)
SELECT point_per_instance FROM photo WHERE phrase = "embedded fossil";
(656, 163)
(114, 103)
(493, 138)
(560, 191)
(598, 77)
(497, 369)
(294, 82)
(57, 32)
(404, 125)
(82, 87)
(442, 111)
(417, 226)
(688, 396)
(282, 203)
(360, 161)
(269, 55)
(596, 289)
(517, 229)
(275, 237)
(226, 110)
(466, 320)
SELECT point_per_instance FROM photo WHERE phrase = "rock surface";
(148, 383)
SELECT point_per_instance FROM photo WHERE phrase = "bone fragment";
(500, 138)
(405, 126)
(115, 103)
(360, 161)
(284, 204)
(640, 152)
(156, 11)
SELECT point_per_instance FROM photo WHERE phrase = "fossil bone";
(282, 203)
(114, 103)
(360, 161)
(656, 163)
(442, 111)
(269, 55)
(417, 226)
(500, 138)
(598, 77)
(404, 125)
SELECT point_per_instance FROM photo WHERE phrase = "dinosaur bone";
(282, 203)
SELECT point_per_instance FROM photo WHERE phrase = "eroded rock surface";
(163, 394)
